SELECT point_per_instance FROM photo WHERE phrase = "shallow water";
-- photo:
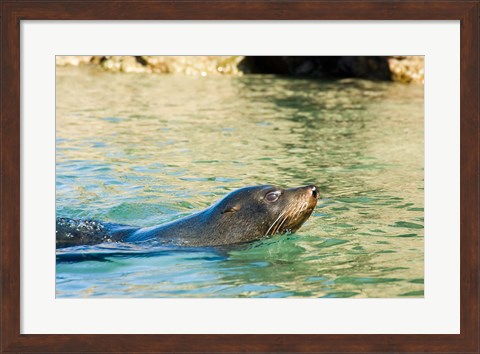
(143, 149)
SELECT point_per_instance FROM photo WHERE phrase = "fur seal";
(244, 215)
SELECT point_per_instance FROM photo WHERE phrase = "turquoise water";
(144, 149)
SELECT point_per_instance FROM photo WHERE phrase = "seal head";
(251, 213)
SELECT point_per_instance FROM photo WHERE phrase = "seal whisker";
(291, 211)
(281, 224)
(296, 212)
(275, 222)
(287, 213)
(304, 206)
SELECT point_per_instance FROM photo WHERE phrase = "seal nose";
(314, 190)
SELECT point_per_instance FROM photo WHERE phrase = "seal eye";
(233, 209)
(272, 196)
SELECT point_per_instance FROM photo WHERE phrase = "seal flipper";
(70, 232)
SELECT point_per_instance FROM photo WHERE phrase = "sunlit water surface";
(146, 149)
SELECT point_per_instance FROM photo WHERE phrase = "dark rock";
(321, 67)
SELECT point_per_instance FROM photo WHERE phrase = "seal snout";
(312, 195)
(313, 190)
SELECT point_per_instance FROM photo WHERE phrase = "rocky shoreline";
(405, 69)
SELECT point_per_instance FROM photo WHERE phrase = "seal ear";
(231, 209)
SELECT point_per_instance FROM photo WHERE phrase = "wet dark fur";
(242, 216)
